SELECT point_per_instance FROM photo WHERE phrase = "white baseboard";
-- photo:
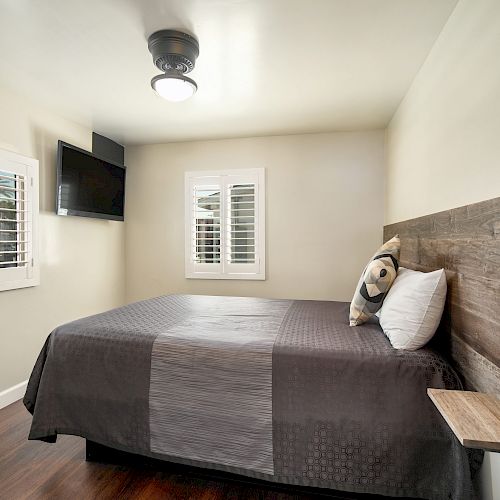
(12, 394)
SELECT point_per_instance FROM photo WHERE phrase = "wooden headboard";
(465, 242)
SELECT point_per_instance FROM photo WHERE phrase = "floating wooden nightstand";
(473, 417)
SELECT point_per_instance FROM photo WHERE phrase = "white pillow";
(413, 307)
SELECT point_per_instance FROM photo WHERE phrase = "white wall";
(82, 260)
(443, 144)
(324, 213)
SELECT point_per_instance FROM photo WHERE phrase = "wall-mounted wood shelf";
(473, 417)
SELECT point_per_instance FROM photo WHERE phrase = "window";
(18, 221)
(225, 224)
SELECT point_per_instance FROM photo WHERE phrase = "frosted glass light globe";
(174, 88)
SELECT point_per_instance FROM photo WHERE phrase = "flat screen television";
(88, 186)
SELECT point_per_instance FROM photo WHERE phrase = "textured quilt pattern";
(273, 389)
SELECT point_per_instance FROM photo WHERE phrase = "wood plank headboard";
(465, 242)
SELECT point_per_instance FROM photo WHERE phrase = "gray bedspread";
(279, 390)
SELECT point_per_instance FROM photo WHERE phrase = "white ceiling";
(265, 66)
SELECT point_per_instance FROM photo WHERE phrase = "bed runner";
(210, 394)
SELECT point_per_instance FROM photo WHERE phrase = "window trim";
(222, 273)
(11, 278)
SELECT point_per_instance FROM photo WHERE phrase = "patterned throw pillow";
(375, 282)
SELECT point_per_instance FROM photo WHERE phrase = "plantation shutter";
(14, 221)
(18, 210)
(225, 229)
(244, 235)
(205, 224)
(207, 200)
(241, 223)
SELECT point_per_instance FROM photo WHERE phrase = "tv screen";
(88, 186)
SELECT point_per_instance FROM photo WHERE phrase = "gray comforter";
(279, 390)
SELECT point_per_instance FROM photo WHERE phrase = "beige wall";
(324, 213)
(443, 144)
(82, 260)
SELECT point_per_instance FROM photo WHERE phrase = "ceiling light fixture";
(174, 53)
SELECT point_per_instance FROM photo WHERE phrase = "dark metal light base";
(173, 49)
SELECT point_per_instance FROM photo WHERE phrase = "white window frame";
(226, 270)
(28, 275)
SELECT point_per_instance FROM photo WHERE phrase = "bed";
(279, 390)
(283, 390)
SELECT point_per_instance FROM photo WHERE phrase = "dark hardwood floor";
(34, 470)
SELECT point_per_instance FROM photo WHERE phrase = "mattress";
(278, 390)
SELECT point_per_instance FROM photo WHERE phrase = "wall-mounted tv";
(88, 186)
